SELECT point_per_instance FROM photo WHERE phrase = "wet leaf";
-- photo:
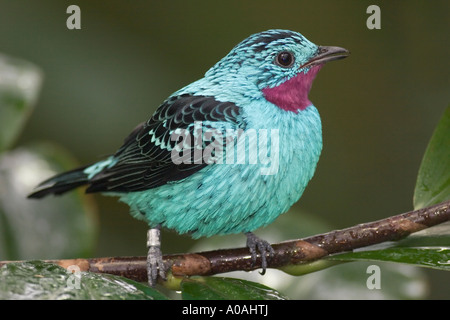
(431, 257)
(38, 280)
(349, 281)
(433, 181)
(219, 288)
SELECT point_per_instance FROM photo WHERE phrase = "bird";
(226, 154)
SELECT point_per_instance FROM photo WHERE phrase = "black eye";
(285, 59)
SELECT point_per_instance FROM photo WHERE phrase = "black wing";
(144, 161)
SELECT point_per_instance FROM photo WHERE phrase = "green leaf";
(45, 281)
(219, 288)
(51, 228)
(348, 281)
(20, 82)
(432, 257)
(433, 181)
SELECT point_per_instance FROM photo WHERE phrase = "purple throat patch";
(292, 95)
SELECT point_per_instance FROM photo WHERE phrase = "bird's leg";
(255, 244)
(155, 265)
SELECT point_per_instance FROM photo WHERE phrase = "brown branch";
(286, 253)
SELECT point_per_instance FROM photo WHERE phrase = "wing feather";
(145, 159)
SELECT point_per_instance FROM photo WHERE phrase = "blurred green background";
(379, 107)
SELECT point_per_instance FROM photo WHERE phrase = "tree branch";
(287, 253)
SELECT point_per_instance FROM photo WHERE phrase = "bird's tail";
(61, 183)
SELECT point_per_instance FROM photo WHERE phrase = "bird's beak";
(325, 54)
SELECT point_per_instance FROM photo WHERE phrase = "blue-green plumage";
(262, 86)
(235, 198)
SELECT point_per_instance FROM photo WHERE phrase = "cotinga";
(226, 154)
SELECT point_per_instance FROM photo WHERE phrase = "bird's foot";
(255, 244)
(155, 264)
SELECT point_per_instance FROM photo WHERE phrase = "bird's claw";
(155, 263)
(155, 266)
(256, 244)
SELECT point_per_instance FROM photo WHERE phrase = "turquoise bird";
(226, 154)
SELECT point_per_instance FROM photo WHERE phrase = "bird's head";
(279, 65)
